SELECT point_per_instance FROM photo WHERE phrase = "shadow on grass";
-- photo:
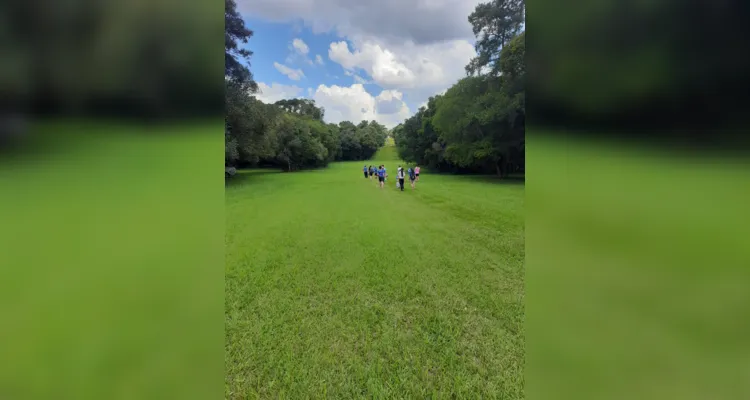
(246, 176)
(512, 179)
(494, 179)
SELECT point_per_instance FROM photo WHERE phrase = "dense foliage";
(479, 124)
(291, 134)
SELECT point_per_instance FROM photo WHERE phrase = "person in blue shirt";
(364, 169)
(412, 176)
(372, 171)
(381, 176)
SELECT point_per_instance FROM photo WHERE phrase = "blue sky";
(272, 42)
(358, 60)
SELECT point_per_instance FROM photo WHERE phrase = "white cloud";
(379, 63)
(293, 74)
(418, 47)
(389, 102)
(298, 51)
(396, 21)
(300, 46)
(417, 70)
(276, 92)
(319, 59)
(355, 104)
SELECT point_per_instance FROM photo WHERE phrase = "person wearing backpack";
(381, 176)
(412, 177)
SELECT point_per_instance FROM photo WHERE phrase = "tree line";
(291, 134)
(479, 124)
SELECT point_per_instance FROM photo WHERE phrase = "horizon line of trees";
(479, 124)
(291, 134)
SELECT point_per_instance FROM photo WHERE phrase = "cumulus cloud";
(389, 102)
(298, 51)
(355, 104)
(418, 71)
(418, 47)
(381, 64)
(291, 73)
(396, 21)
(300, 46)
(276, 91)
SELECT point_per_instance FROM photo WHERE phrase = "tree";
(494, 24)
(247, 121)
(478, 125)
(302, 107)
(236, 33)
(351, 148)
(418, 141)
(477, 119)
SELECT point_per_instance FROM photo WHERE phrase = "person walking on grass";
(364, 169)
(412, 176)
(400, 178)
(372, 171)
(416, 172)
(381, 176)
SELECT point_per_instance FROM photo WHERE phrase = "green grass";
(109, 287)
(338, 289)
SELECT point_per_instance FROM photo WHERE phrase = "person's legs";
(401, 184)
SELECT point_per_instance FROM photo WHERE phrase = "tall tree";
(236, 33)
(305, 107)
(494, 23)
(247, 122)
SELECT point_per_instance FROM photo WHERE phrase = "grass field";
(338, 289)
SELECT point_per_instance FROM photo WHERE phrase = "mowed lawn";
(337, 289)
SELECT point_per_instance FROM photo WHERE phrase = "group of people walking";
(381, 173)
